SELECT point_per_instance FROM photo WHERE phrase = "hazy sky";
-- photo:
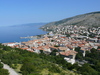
(14, 12)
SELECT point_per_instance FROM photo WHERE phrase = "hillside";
(28, 63)
(88, 19)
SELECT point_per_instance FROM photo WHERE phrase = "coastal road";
(11, 71)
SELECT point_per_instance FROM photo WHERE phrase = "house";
(28, 49)
(69, 56)
(63, 49)
(12, 44)
(84, 49)
(36, 50)
(45, 49)
(53, 48)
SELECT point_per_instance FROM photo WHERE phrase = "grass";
(45, 72)
(63, 72)
(17, 68)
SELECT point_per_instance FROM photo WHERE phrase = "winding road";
(11, 71)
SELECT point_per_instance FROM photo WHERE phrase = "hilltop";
(88, 19)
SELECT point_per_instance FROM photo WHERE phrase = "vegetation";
(3, 71)
(28, 63)
(93, 65)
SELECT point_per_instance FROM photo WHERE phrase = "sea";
(13, 33)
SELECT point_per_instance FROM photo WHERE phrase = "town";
(63, 39)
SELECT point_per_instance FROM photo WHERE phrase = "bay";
(13, 33)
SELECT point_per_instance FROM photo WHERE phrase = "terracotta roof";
(24, 48)
(40, 48)
(62, 48)
(39, 42)
(70, 52)
(63, 37)
(98, 49)
(81, 45)
(53, 47)
(33, 47)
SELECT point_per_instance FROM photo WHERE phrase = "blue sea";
(13, 33)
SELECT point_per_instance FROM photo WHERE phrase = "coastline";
(13, 34)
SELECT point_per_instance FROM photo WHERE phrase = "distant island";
(29, 24)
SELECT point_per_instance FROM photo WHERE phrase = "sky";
(13, 12)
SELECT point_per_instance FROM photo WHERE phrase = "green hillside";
(28, 63)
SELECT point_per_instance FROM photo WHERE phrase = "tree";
(1, 65)
(53, 52)
(4, 72)
(86, 69)
(97, 66)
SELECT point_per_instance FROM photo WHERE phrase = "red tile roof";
(24, 48)
(70, 52)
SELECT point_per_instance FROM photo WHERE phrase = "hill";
(88, 19)
(29, 63)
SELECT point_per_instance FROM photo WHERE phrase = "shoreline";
(14, 34)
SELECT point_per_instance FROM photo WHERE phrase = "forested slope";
(28, 63)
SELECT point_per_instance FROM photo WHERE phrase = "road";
(11, 71)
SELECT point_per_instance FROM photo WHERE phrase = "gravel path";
(11, 71)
